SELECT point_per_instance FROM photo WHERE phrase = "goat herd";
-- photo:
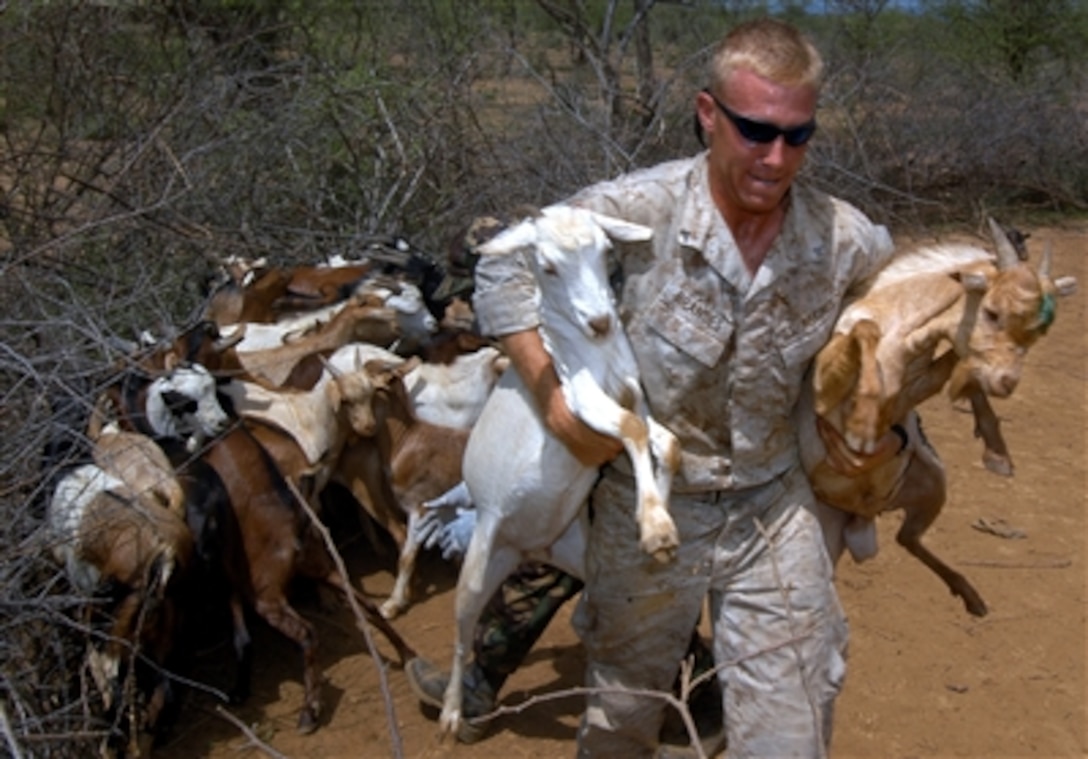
(211, 450)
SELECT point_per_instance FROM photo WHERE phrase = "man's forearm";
(534, 365)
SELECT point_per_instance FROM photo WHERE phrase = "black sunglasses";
(761, 131)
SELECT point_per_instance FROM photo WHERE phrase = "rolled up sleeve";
(506, 299)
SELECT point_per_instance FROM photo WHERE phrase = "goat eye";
(991, 315)
(549, 268)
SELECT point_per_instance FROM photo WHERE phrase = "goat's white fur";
(529, 489)
(195, 382)
(66, 510)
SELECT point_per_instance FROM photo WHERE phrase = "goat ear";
(510, 240)
(1065, 286)
(972, 281)
(381, 371)
(332, 392)
(407, 366)
(177, 402)
(624, 231)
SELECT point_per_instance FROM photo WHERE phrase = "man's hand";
(849, 462)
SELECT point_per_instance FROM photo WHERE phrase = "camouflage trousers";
(519, 612)
(516, 617)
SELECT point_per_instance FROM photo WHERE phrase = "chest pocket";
(806, 319)
(690, 320)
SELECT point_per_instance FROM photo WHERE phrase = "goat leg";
(406, 564)
(921, 497)
(485, 567)
(243, 652)
(373, 615)
(995, 457)
(279, 614)
(922, 385)
(863, 424)
(657, 531)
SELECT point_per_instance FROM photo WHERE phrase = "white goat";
(184, 404)
(414, 322)
(453, 395)
(529, 489)
(179, 404)
(448, 395)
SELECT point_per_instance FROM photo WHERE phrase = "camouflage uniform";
(722, 355)
(516, 616)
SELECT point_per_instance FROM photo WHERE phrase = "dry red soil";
(925, 679)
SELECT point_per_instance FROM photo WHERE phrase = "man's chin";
(763, 202)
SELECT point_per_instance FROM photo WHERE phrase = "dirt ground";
(925, 680)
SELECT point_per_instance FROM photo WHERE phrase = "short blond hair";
(770, 48)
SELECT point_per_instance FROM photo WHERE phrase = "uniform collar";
(701, 227)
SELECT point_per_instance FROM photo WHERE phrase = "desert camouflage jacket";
(722, 353)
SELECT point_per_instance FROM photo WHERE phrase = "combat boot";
(429, 683)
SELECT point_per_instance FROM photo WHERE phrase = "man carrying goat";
(725, 306)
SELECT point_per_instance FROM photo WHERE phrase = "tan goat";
(138, 462)
(883, 361)
(358, 322)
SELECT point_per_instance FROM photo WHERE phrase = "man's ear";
(704, 115)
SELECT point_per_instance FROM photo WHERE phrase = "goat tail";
(101, 416)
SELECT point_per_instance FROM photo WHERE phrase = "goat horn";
(336, 373)
(229, 341)
(1006, 253)
(1044, 262)
(402, 370)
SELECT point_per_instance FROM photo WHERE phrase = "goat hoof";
(664, 555)
(450, 723)
(390, 610)
(661, 541)
(998, 464)
(976, 607)
(307, 722)
(974, 604)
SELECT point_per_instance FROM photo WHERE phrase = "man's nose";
(776, 152)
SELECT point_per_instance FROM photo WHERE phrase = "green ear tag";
(1046, 312)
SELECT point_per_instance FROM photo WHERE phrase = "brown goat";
(138, 550)
(238, 301)
(355, 323)
(315, 286)
(883, 361)
(278, 544)
(142, 465)
(408, 462)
